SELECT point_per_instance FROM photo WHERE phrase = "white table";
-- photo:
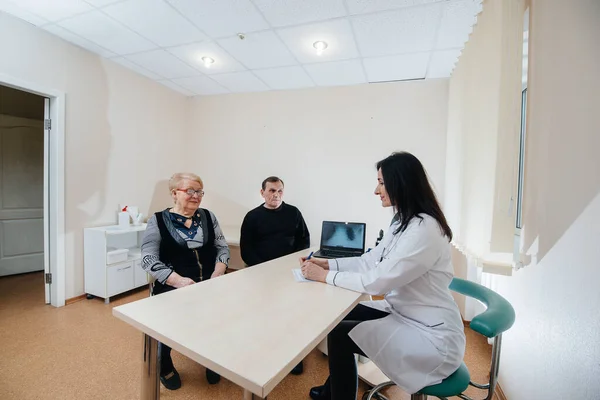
(251, 326)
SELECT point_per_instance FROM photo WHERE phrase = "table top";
(251, 326)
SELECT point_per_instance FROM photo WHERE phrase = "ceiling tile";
(54, 10)
(78, 40)
(223, 17)
(192, 54)
(163, 63)
(201, 85)
(101, 3)
(293, 12)
(394, 32)
(175, 87)
(104, 31)
(156, 21)
(337, 34)
(369, 6)
(285, 78)
(239, 82)
(457, 23)
(337, 73)
(259, 50)
(394, 68)
(442, 63)
(136, 68)
(11, 8)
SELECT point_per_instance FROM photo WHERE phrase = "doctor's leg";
(343, 381)
(343, 373)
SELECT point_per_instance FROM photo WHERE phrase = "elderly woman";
(183, 245)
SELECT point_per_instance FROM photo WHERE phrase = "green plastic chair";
(498, 317)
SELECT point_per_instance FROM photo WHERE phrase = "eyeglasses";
(191, 192)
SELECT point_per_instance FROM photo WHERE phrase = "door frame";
(54, 237)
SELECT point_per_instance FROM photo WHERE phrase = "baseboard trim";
(499, 393)
(74, 299)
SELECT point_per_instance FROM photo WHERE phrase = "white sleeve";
(357, 264)
(415, 253)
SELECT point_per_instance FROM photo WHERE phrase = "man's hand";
(219, 270)
(314, 272)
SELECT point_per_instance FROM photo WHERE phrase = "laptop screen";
(343, 235)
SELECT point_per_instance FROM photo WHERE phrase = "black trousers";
(343, 374)
(166, 362)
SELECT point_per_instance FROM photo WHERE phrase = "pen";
(309, 256)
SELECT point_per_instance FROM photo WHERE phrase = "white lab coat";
(422, 341)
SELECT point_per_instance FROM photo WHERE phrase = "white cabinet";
(140, 277)
(103, 277)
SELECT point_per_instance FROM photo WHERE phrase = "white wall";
(553, 350)
(122, 130)
(323, 143)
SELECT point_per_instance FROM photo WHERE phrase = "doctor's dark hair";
(410, 193)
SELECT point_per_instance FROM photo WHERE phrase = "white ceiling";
(368, 40)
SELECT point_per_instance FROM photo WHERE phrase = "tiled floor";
(82, 352)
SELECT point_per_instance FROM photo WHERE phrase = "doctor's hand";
(321, 262)
(314, 272)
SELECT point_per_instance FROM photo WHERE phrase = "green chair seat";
(453, 385)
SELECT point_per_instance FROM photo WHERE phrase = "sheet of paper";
(298, 275)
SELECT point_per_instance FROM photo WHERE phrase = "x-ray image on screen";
(340, 234)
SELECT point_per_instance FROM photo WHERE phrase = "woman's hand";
(321, 262)
(313, 271)
(219, 270)
(178, 281)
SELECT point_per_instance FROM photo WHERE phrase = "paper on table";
(298, 275)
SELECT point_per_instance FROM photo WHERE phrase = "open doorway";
(23, 186)
(54, 184)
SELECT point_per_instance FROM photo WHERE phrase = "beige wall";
(123, 131)
(21, 104)
(483, 129)
(552, 351)
(323, 143)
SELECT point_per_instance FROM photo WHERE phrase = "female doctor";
(415, 336)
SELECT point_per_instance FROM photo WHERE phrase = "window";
(517, 258)
(521, 159)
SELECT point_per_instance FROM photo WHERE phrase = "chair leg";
(418, 396)
(374, 393)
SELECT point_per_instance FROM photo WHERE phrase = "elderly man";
(272, 230)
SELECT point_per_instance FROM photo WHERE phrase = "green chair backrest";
(499, 315)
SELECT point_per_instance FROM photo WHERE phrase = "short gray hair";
(176, 179)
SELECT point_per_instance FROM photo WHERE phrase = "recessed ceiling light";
(208, 61)
(320, 46)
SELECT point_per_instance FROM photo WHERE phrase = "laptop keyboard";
(335, 254)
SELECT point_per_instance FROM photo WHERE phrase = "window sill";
(498, 263)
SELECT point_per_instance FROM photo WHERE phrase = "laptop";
(342, 239)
